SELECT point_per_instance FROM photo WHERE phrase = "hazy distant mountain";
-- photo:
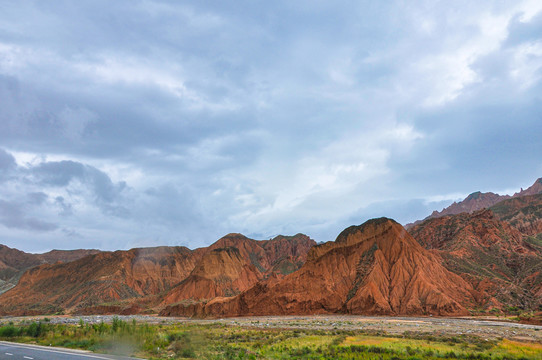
(14, 262)
(479, 200)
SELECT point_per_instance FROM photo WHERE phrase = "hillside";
(478, 201)
(14, 262)
(235, 263)
(139, 279)
(496, 258)
(524, 213)
(106, 277)
(376, 268)
(477, 261)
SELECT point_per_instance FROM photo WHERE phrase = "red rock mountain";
(534, 189)
(137, 280)
(235, 263)
(478, 201)
(496, 258)
(475, 201)
(475, 261)
(524, 213)
(99, 279)
(14, 262)
(375, 268)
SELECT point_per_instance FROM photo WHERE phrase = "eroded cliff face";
(106, 277)
(488, 259)
(13, 262)
(375, 268)
(503, 264)
(523, 213)
(235, 263)
(139, 280)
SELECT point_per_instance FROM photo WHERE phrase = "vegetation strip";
(223, 341)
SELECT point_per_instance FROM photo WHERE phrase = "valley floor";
(283, 337)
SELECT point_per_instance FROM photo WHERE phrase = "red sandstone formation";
(478, 201)
(14, 262)
(105, 277)
(136, 280)
(375, 268)
(503, 264)
(235, 263)
(478, 260)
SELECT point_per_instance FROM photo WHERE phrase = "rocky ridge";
(376, 268)
(478, 201)
(13, 262)
(138, 280)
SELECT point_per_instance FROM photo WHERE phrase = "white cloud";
(527, 64)
(277, 118)
(338, 178)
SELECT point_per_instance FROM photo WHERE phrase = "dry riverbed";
(484, 328)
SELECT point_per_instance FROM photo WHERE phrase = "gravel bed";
(490, 329)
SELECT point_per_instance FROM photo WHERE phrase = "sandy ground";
(485, 328)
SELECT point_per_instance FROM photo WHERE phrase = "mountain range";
(479, 200)
(478, 256)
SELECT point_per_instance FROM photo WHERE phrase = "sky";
(142, 123)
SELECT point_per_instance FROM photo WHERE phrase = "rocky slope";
(524, 213)
(374, 268)
(479, 200)
(235, 263)
(140, 279)
(106, 277)
(500, 261)
(14, 262)
(475, 261)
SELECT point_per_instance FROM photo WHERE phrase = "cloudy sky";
(143, 123)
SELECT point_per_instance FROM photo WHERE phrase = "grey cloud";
(201, 108)
(7, 163)
(65, 207)
(12, 215)
(36, 198)
(522, 31)
(171, 204)
(62, 173)
(59, 173)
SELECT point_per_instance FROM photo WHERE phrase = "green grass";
(220, 341)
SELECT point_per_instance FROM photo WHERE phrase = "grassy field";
(221, 341)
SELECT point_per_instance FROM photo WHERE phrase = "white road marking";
(28, 357)
(9, 354)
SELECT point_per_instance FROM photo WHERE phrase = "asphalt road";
(15, 351)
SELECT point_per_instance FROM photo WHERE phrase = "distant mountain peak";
(534, 189)
(480, 200)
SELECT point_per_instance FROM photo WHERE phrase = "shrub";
(9, 331)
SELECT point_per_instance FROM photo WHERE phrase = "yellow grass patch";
(309, 340)
(401, 344)
(521, 348)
